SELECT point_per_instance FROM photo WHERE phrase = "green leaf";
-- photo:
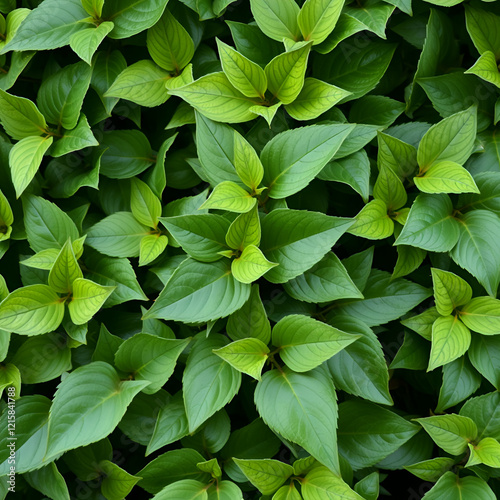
(317, 18)
(311, 416)
(31, 310)
(65, 270)
(250, 265)
(250, 320)
(450, 291)
(422, 323)
(355, 69)
(152, 246)
(49, 481)
(297, 240)
(486, 452)
(7, 218)
(373, 221)
(132, 16)
(450, 486)
(389, 188)
(293, 158)
(277, 20)
(288, 492)
(142, 83)
(117, 483)
(326, 281)
(285, 73)
(373, 15)
(482, 315)
(266, 475)
(397, 155)
(484, 353)
(450, 432)
(224, 490)
(476, 251)
(185, 489)
(376, 110)
(20, 117)
(79, 138)
(244, 230)
(360, 368)
(48, 26)
(202, 236)
(485, 412)
(118, 235)
(489, 196)
(446, 177)
(247, 163)
(25, 159)
(483, 28)
(409, 259)
(304, 343)
(157, 178)
(384, 300)
(267, 112)
(229, 196)
(214, 291)
(93, 7)
(171, 467)
(314, 99)
(209, 382)
(450, 340)
(450, 140)
(215, 97)
(88, 297)
(321, 483)
(150, 358)
(169, 44)
(431, 470)
(431, 224)
(212, 467)
(107, 66)
(364, 441)
(76, 414)
(145, 206)
(61, 95)
(245, 75)
(246, 355)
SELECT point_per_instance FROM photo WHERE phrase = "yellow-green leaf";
(250, 265)
(65, 270)
(247, 163)
(229, 196)
(482, 315)
(317, 18)
(85, 42)
(373, 222)
(152, 246)
(88, 297)
(446, 177)
(450, 291)
(486, 452)
(244, 230)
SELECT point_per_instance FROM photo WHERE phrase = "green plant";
(249, 249)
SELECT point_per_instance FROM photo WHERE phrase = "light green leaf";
(20, 117)
(169, 44)
(389, 188)
(320, 484)
(212, 467)
(230, 196)
(431, 224)
(88, 297)
(209, 382)
(31, 310)
(213, 294)
(311, 416)
(145, 206)
(450, 291)
(250, 320)
(150, 358)
(25, 159)
(65, 270)
(485, 412)
(49, 481)
(142, 83)
(450, 486)
(451, 433)
(277, 20)
(364, 441)
(486, 68)
(450, 140)
(305, 343)
(74, 140)
(7, 218)
(373, 221)
(185, 489)
(409, 259)
(446, 177)
(484, 28)
(297, 240)
(93, 7)
(118, 235)
(288, 492)
(247, 163)
(326, 281)
(186, 77)
(76, 415)
(267, 112)
(266, 475)
(215, 97)
(422, 323)
(486, 452)
(450, 340)
(482, 315)
(48, 26)
(152, 246)
(117, 483)
(245, 75)
(244, 230)
(397, 155)
(476, 250)
(315, 98)
(224, 490)
(246, 355)
(85, 43)
(202, 236)
(317, 18)
(285, 73)
(431, 470)
(250, 265)
(293, 158)
(373, 15)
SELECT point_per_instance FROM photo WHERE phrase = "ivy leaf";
(311, 419)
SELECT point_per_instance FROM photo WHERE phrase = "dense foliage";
(250, 249)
